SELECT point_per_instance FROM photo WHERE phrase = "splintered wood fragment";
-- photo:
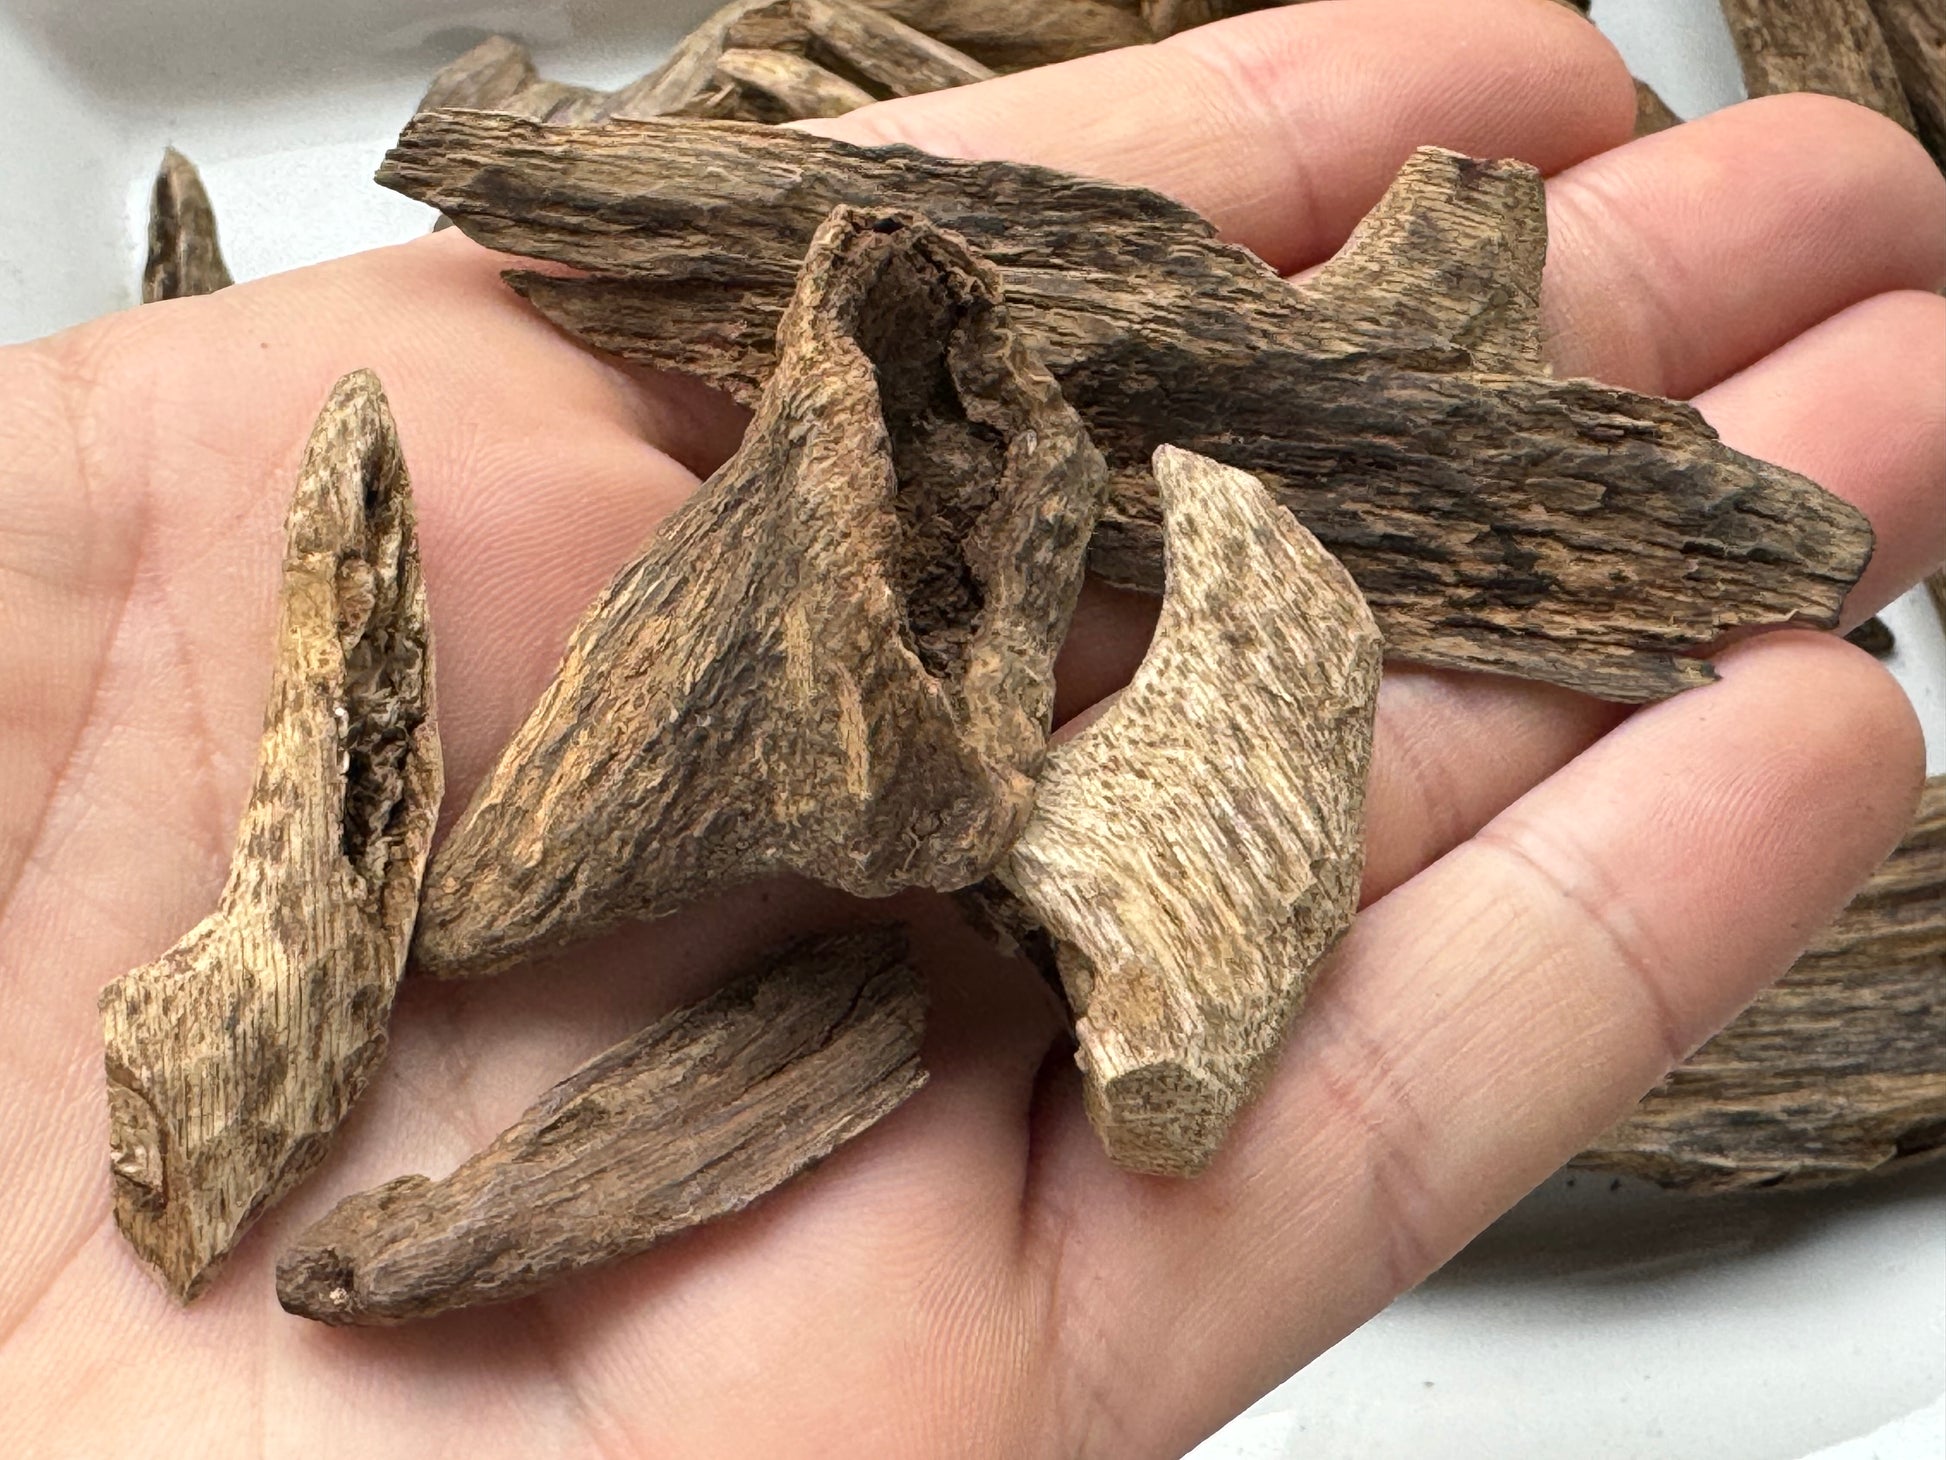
(1652, 113)
(1875, 637)
(185, 257)
(1837, 1072)
(690, 1120)
(1196, 851)
(907, 62)
(1832, 46)
(801, 87)
(1495, 518)
(1936, 590)
(483, 79)
(232, 1058)
(836, 659)
(1915, 32)
(1017, 35)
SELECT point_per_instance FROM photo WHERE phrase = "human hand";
(1561, 901)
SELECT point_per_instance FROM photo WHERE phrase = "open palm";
(1561, 900)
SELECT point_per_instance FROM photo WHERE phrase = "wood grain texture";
(836, 659)
(905, 61)
(688, 1121)
(1196, 851)
(185, 256)
(800, 87)
(1837, 1072)
(1495, 518)
(1167, 17)
(1016, 35)
(232, 1058)
(1915, 33)
(1832, 46)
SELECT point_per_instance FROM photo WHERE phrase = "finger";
(1485, 1021)
(1683, 257)
(1286, 126)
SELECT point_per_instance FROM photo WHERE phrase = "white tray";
(1599, 1318)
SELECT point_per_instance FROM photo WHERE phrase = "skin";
(1562, 901)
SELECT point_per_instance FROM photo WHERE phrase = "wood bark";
(185, 257)
(1915, 33)
(1831, 46)
(1195, 852)
(232, 1058)
(1167, 17)
(1495, 518)
(836, 659)
(690, 1120)
(1837, 1072)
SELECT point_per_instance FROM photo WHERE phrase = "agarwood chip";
(1915, 33)
(233, 1057)
(692, 1119)
(185, 257)
(689, 74)
(1167, 17)
(1017, 35)
(1831, 46)
(1196, 851)
(801, 87)
(836, 658)
(905, 61)
(1875, 637)
(1837, 1072)
(1494, 518)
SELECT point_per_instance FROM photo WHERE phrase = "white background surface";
(1598, 1319)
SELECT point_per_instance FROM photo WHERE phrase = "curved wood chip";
(1556, 530)
(185, 257)
(1196, 851)
(1017, 35)
(906, 62)
(690, 1120)
(835, 659)
(1831, 46)
(1837, 1072)
(233, 1058)
(1915, 33)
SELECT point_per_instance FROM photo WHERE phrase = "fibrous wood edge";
(1496, 519)
(1829, 46)
(836, 659)
(692, 1119)
(232, 1058)
(1167, 17)
(185, 256)
(1196, 851)
(1835, 1073)
(1915, 33)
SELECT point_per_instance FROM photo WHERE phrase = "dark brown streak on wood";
(1837, 1072)
(837, 658)
(1496, 519)
(690, 1120)
(1652, 113)
(233, 1058)
(185, 257)
(1830, 46)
